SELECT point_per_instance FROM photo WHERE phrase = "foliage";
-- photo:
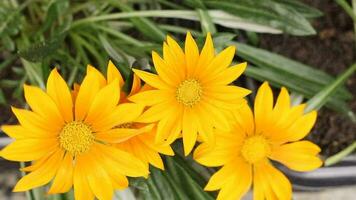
(39, 35)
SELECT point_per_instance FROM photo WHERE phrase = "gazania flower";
(142, 143)
(66, 137)
(245, 151)
(191, 92)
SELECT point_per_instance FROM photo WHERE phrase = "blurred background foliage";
(37, 35)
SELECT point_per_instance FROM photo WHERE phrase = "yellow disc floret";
(189, 92)
(76, 137)
(255, 148)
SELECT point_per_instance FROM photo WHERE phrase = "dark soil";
(331, 50)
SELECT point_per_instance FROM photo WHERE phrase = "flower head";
(191, 92)
(141, 140)
(271, 133)
(65, 136)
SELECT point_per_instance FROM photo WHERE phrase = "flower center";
(189, 92)
(76, 137)
(255, 148)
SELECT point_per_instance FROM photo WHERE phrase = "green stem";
(347, 8)
(339, 156)
(354, 11)
(322, 97)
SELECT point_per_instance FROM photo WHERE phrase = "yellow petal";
(239, 183)
(174, 58)
(64, 177)
(227, 92)
(82, 189)
(244, 119)
(145, 153)
(156, 112)
(228, 75)
(37, 164)
(220, 63)
(104, 102)
(189, 131)
(92, 70)
(226, 149)
(152, 97)
(20, 132)
(218, 116)
(151, 79)
(118, 180)
(123, 113)
(299, 156)
(270, 182)
(35, 123)
(263, 107)
(206, 55)
(149, 140)
(118, 135)
(125, 162)
(301, 127)
(58, 90)
(136, 85)
(113, 73)
(176, 49)
(87, 92)
(166, 127)
(29, 149)
(42, 175)
(191, 53)
(43, 105)
(98, 179)
(164, 71)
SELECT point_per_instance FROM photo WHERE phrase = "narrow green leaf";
(310, 78)
(38, 51)
(2, 98)
(219, 17)
(321, 98)
(339, 156)
(301, 8)
(145, 26)
(293, 84)
(266, 12)
(206, 23)
(33, 72)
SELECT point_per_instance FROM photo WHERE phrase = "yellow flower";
(269, 133)
(65, 137)
(142, 143)
(191, 94)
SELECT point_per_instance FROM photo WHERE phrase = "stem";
(339, 156)
(354, 11)
(347, 8)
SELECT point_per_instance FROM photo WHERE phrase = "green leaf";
(301, 8)
(307, 77)
(266, 12)
(322, 97)
(339, 156)
(145, 26)
(39, 51)
(279, 80)
(219, 17)
(2, 98)
(206, 22)
(56, 9)
(175, 183)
